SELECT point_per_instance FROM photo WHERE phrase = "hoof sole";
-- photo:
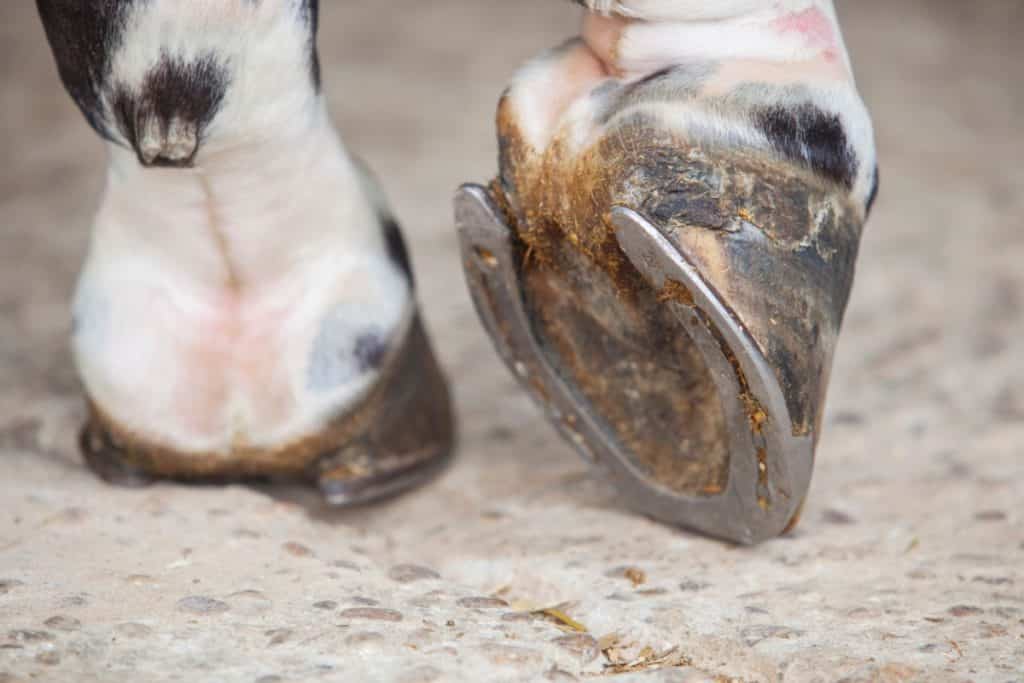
(667, 473)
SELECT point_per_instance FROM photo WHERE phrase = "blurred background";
(914, 533)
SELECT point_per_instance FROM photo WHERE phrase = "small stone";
(482, 603)
(421, 674)
(325, 604)
(29, 636)
(559, 676)
(270, 679)
(511, 655)
(635, 575)
(364, 638)
(345, 564)
(297, 549)
(133, 630)
(48, 658)
(63, 623)
(898, 672)
(990, 516)
(965, 611)
(993, 580)
(246, 534)
(523, 616)
(80, 600)
(755, 634)
(199, 604)
(693, 586)
(920, 574)
(432, 599)
(408, 573)
(371, 613)
(833, 516)
(583, 645)
(140, 580)
(279, 635)
(7, 585)
(368, 602)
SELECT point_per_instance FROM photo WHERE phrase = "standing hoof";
(109, 462)
(248, 302)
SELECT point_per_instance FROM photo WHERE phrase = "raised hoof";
(653, 376)
(107, 460)
(406, 433)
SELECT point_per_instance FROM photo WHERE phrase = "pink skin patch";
(229, 350)
(816, 28)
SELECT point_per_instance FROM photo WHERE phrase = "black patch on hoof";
(185, 94)
(83, 35)
(806, 134)
(370, 351)
(873, 194)
(344, 349)
(397, 250)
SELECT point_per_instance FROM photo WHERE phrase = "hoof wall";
(398, 436)
(107, 460)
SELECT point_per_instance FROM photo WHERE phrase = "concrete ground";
(909, 564)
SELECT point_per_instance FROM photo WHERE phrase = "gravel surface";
(908, 564)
